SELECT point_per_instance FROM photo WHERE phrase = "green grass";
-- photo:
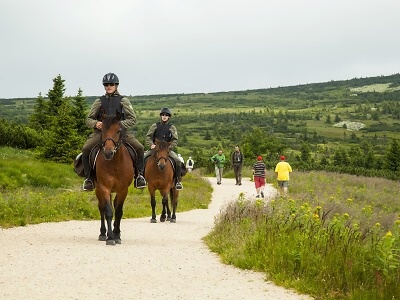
(35, 192)
(335, 236)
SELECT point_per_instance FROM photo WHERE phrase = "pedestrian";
(165, 131)
(237, 163)
(189, 164)
(219, 162)
(259, 171)
(109, 104)
(282, 171)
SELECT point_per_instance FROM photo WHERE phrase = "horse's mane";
(161, 145)
(108, 120)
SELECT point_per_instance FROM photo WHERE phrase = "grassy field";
(334, 236)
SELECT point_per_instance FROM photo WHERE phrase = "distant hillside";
(318, 124)
(289, 97)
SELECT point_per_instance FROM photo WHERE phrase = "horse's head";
(111, 135)
(161, 152)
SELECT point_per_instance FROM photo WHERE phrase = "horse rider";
(109, 104)
(165, 131)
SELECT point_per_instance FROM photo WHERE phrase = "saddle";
(78, 165)
(173, 163)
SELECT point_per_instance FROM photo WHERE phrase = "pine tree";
(64, 142)
(305, 152)
(79, 113)
(56, 96)
(39, 120)
(392, 157)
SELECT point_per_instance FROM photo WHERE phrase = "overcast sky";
(190, 46)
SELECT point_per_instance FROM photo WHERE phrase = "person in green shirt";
(219, 162)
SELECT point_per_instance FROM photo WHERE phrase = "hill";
(325, 116)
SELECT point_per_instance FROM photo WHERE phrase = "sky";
(193, 46)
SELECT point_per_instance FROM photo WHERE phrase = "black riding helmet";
(110, 78)
(166, 110)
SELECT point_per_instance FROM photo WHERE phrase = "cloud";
(193, 46)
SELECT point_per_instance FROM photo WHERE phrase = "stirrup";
(88, 185)
(179, 186)
(140, 182)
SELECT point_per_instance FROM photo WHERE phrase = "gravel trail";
(65, 260)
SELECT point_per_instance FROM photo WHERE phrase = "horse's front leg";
(102, 209)
(102, 236)
(166, 212)
(118, 208)
(174, 203)
(153, 205)
(109, 216)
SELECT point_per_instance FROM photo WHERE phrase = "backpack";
(190, 163)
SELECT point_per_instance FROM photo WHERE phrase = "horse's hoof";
(173, 220)
(110, 242)
(169, 219)
(102, 238)
(153, 221)
(118, 241)
(162, 219)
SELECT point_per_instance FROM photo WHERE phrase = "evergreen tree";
(356, 156)
(257, 142)
(39, 120)
(392, 156)
(56, 96)
(79, 114)
(305, 152)
(328, 119)
(207, 136)
(64, 142)
(340, 157)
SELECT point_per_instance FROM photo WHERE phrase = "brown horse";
(114, 173)
(159, 174)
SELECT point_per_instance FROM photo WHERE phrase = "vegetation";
(336, 236)
(347, 126)
(34, 192)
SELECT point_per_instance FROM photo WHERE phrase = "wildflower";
(388, 233)
(378, 224)
(346, 215)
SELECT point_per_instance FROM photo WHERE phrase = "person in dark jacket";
(165, 131)
(109, 104)
(237, 164)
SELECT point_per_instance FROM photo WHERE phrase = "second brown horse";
(159, 174)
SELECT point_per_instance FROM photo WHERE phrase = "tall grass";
(335, 236)
(33, 192)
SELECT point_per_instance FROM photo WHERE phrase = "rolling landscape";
(329, 125)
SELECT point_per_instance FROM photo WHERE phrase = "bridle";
(117, 144)
(158, 159)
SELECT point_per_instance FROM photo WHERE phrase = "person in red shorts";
(259, 171)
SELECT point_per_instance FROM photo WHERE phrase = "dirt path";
(65, 260)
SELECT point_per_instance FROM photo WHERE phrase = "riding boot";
(140, 181)
(88, 183)
(178, 171)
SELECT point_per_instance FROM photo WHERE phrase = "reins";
(116, 144)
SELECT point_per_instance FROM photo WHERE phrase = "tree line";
(56, 131)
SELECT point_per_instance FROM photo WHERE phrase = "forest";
(350, 126)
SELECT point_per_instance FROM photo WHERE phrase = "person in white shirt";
(189, 164)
